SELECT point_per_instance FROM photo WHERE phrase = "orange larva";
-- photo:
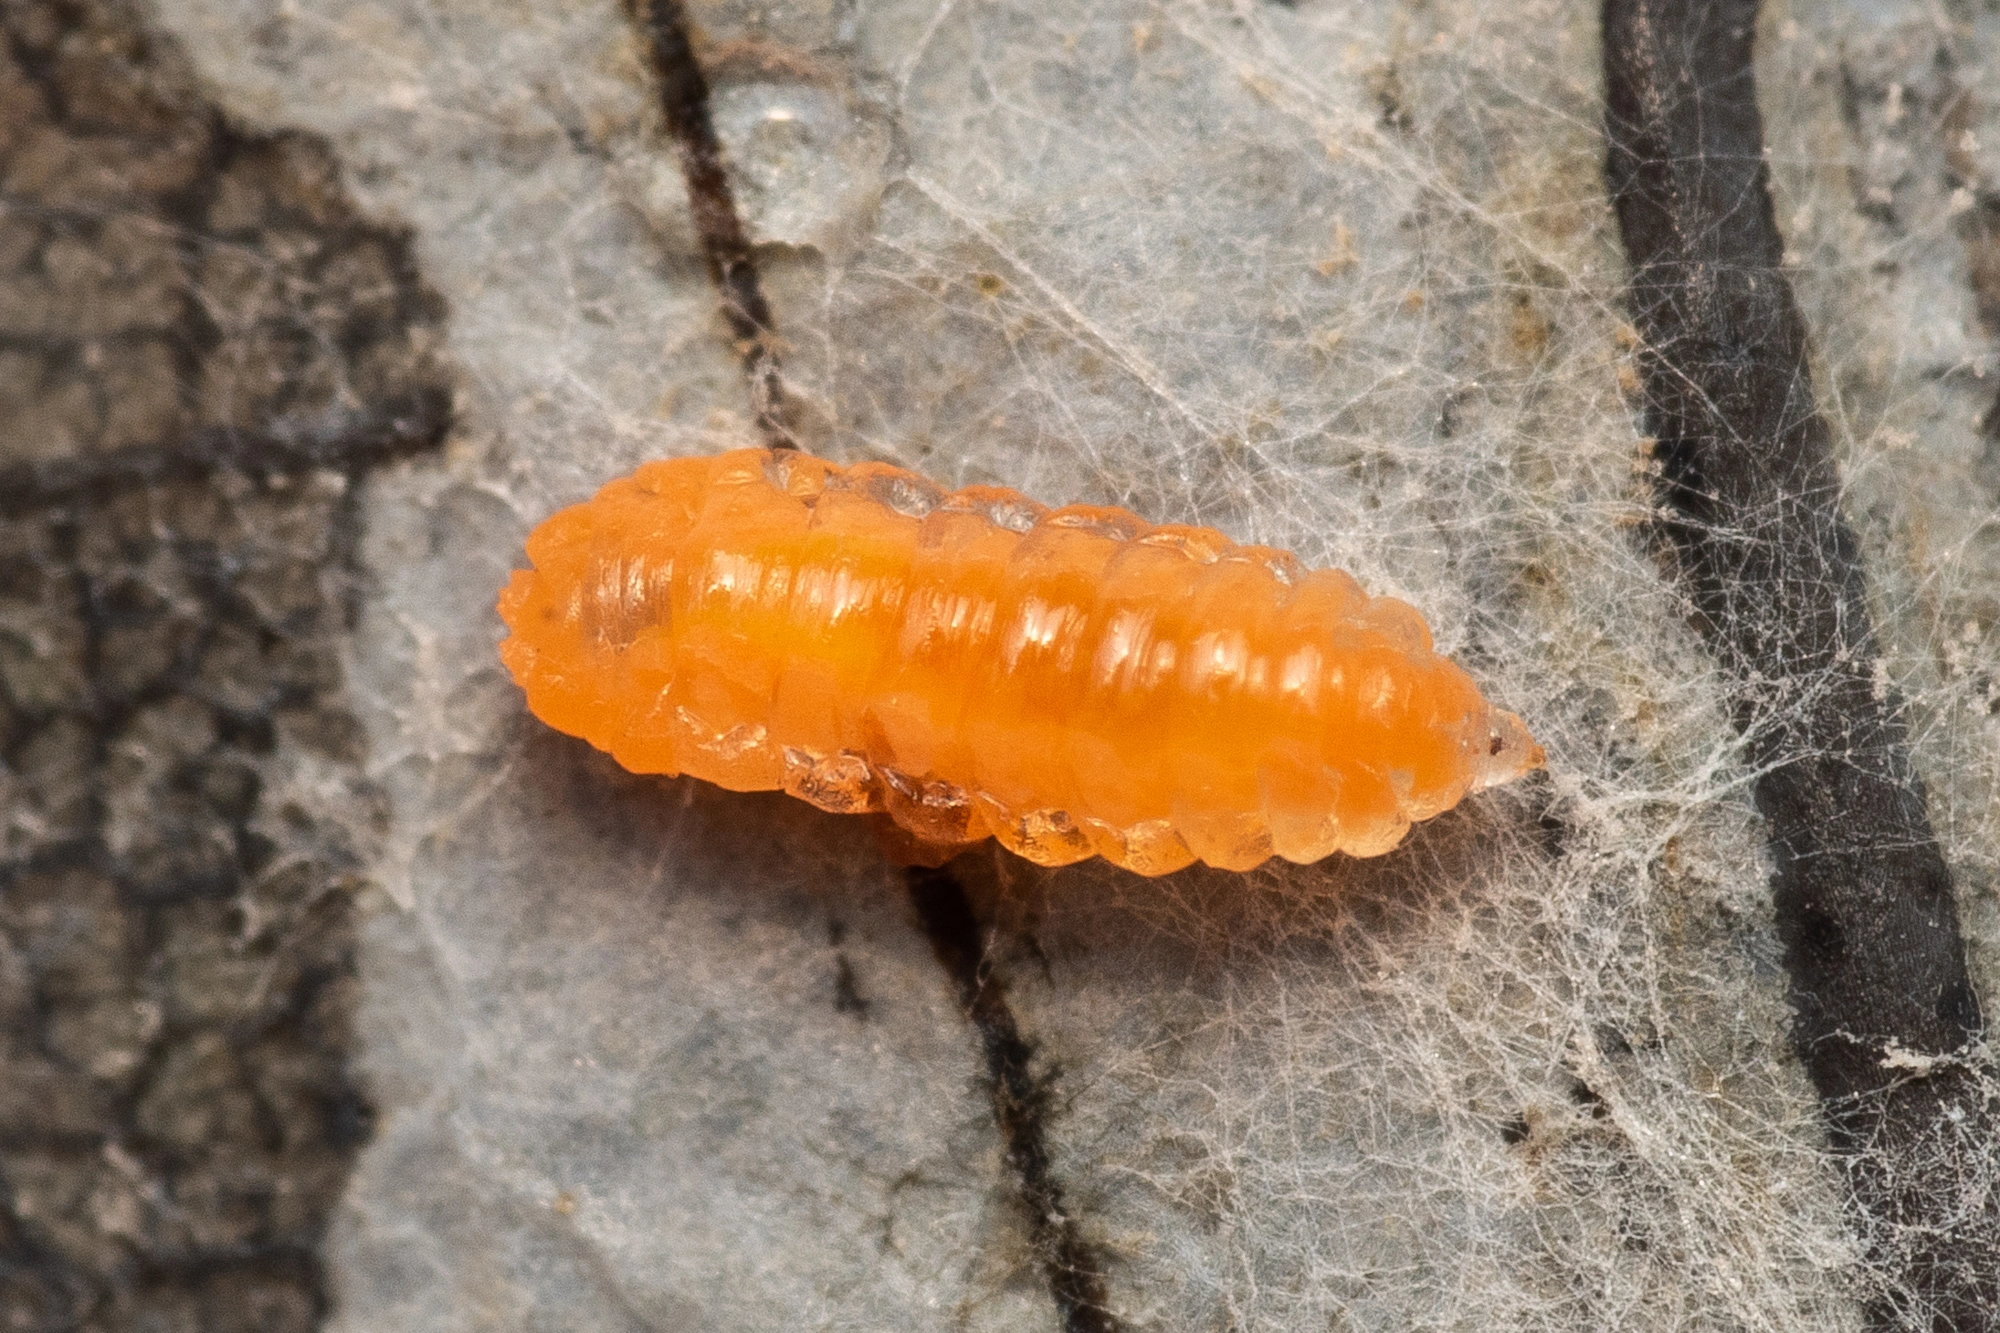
(1072, 681)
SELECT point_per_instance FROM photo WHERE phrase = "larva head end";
(1510, 752)
(520, 587)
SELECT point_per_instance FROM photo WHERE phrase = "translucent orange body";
(1074, 681)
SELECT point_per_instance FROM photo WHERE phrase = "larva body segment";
(1072, 681)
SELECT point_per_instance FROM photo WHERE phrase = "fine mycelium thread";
(1072, 681)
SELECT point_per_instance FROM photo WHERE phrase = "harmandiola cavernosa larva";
(1072, 681)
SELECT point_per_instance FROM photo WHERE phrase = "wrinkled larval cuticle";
(1073, 682)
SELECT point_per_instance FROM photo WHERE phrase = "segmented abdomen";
(1073, 681)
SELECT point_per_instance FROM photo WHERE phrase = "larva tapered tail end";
(1510, 752)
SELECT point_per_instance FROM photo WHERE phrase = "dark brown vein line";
(1887, 1024)
(1071, 1267)
(1070, 1264)
(725, 243)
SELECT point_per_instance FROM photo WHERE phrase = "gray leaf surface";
(1339, 277)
